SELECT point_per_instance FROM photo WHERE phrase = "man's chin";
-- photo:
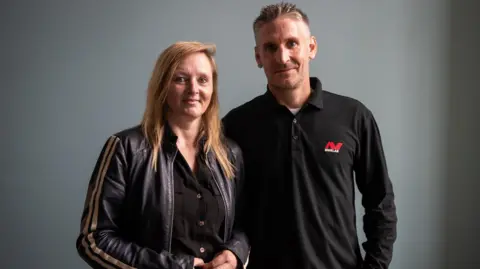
(285, 84)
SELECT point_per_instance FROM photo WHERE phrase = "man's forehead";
(282, 28)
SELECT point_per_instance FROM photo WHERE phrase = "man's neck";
(292, 98)
(185, 129)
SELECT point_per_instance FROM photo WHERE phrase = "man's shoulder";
(246, 109)
(345, 103)
(344, 100)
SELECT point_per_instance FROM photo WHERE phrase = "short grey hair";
(271, 12)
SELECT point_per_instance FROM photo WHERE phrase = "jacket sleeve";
(380, 219)
(100, 243)
(239, 243)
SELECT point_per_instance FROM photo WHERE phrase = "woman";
(163, 194)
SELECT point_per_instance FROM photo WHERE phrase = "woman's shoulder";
(233, 148)
(132, 139)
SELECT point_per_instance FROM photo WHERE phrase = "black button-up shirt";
(301, 170)
(199, 212)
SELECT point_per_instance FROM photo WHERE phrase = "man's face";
(284, 49)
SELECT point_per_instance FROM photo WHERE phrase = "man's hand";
(224, 260)
(198, 262)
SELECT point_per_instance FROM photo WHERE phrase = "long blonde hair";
(154, 117)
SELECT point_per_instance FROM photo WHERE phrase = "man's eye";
(292, 44)
(271, 47)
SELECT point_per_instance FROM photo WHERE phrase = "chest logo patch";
(333, 147)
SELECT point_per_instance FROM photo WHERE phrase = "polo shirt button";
(295, 137)
(199, 196)
(202, 250)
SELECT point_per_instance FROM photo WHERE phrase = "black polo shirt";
(301, 170)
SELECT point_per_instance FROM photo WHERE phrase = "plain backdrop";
(74, 72)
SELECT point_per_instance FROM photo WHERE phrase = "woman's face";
(191, 87)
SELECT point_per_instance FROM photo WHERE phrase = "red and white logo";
(333, 147)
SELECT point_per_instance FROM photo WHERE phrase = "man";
(304, 149)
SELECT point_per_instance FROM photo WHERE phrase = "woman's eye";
(180, 79)
(203, 80)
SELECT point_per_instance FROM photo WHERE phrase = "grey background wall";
(74, 72)
(463, 179)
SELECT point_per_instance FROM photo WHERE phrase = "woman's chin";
(192, 114)
(187, 113)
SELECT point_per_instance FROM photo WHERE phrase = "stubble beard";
(288, 85)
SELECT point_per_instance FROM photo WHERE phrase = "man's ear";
(312, 47)
(257, 58)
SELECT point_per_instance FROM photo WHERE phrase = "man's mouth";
(284, 70)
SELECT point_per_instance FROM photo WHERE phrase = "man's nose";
(282, 55)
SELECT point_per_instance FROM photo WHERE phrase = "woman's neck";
(186, 130)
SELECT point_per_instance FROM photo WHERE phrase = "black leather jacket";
(128, 213)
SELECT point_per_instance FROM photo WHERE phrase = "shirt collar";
(315, 99)
(171, 137)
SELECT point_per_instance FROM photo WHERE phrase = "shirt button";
(294, 120)
(201, 223)
(295, 137)
(202, 250)
(199, 196)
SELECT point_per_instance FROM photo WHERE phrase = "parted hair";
(271, 12)
(155, 114)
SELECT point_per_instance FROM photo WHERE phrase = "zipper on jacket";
(170, 233)
(227, 212)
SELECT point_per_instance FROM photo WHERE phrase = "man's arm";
(380, 219)
(239, 243)
(100, 242)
